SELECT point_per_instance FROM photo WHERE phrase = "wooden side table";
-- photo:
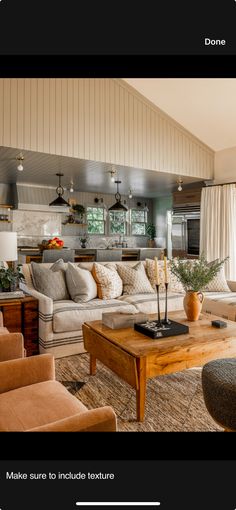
(21, 316)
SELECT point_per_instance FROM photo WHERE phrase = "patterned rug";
(174, 403)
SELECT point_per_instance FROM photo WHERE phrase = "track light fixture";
(19, 159)
(179, 182)
(112, 173)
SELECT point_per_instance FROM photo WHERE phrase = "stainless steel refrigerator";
(185, 234)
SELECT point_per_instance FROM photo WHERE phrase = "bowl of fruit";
(55, 244)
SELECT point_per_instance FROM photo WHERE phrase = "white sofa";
(53, 315)
(62, 341)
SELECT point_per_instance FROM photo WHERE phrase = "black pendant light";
(118, 205)
(59, 201)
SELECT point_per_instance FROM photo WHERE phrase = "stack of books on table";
(119, 320)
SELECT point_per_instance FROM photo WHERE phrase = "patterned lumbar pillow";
(109, 283)
(219, 283)
(50, 281)
(135, 280)
(81, 284)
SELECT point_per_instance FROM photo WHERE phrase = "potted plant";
(151, 232)
(84, 238)
(79, 210)
(194, 275)
(10, 278)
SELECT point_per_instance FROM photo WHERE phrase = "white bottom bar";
(118, 503)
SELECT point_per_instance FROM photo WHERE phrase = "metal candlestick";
(158, 306)
(166, 320)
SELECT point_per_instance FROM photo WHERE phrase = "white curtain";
(218, 225)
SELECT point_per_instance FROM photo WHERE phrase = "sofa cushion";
(174, 284)
(219, 283)
(70, 316)
(35, 405)
(147, 303)
(222, 304)
(109, 283)
(81, 284)
(50, 281)
(135, 280)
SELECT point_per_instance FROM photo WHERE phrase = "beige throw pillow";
(134, 279)
(109, 283)
(50, 281)
(219, 283)
(174, 284)
(81, 284)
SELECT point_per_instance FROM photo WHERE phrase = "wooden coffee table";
(135, 357)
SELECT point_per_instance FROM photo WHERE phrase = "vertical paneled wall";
(98, 119)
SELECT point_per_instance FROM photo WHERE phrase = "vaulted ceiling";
(204, 106)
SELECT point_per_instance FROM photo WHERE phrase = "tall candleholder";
(159, 323)
(166, 320)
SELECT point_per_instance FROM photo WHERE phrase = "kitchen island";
(27, 255)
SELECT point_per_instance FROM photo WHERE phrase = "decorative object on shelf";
(20, 158)
(10, 278)
(179, 182)
(79, 211)
(151, 233)
(59, 201)
(84, 240)
(195, 275)
(118, 206)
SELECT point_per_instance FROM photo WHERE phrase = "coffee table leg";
(141, 391)
(93, 363)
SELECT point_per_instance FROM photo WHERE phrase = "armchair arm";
(102, 419)
(11, 346)
(26, 371)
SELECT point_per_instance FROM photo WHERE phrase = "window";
(96, 220)
(138, 222)
(117, 222)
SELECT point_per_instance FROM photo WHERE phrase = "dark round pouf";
(219, 390)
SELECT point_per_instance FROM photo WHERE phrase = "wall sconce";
(144, 207)
(130, 194)
(179, 182)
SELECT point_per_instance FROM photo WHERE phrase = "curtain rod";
(222, 184)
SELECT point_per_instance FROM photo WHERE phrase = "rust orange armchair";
(32, 400)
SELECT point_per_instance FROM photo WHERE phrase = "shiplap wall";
(98, 119)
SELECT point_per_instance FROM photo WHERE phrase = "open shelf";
(75, 224)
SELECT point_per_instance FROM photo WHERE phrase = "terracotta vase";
(193, 304)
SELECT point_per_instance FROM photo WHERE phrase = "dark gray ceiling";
(40, 168)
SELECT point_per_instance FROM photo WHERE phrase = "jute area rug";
(174, 403)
